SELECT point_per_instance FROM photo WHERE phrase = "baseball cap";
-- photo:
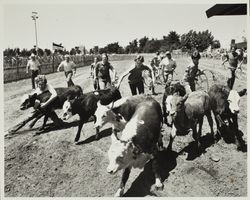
(139, 57)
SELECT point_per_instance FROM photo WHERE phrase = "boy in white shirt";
(168, 66)
(68, 67)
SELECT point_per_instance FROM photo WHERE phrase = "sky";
(90, 24)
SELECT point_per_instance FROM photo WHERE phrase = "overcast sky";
(90, 24)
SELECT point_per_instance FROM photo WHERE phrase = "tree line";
(186, 42)
(200, 40)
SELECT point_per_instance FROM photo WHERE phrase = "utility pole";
(35, 17)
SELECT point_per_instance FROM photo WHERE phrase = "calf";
(225, 106)
(119, 113)
(138, 142)
(35, 100)
(170, 89)
(86, 105)
(187, 112)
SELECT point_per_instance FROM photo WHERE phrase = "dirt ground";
(51, 165)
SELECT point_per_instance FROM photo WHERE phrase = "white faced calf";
(188, 111)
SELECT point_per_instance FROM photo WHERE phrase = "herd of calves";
(137, 120)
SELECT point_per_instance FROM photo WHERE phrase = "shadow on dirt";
(51, 127)
(142, 185)
(102, 134)
(18, 133)
(230, 136)
(192, 149)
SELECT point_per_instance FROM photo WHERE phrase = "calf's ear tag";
(141, 122)
(96, 93)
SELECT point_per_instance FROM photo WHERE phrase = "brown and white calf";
(225, 106)
(138, 142)
(188, 111)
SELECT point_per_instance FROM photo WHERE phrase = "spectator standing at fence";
(102, 73)
(135, 78)
(191, 72)
(68, 67)
(34, 66)
(233, 59)
(168, 66)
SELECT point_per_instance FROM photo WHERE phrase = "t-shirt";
(33, 64)
(233, 59)
(190, 72)
(168, 64)
(67, 66)
(155, 62)
(135, 75)
(102, 70)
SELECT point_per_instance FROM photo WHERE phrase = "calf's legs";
(172, 136)
(124, 180)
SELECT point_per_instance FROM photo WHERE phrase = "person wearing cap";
(102, 73)
(155, 64)
(34, 66)
(68, 67)
(156, 60)
(42, 87)
(135, 78)
(168, 65)
(191, 72)
(235, 62)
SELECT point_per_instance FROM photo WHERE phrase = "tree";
(152, 46)
(173, 39)
(96, 49)
(47, 52)
(132, 47)
(142, 43)
(40, 52)
(215, 44)
(72, 51)
(25, 53)
(112, 48)
(200, 40)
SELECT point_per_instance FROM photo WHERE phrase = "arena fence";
(15, 68)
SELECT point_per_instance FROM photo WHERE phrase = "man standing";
(34, 66)
(68, 67)
(101, 73)
(168, 66)
(233, 58)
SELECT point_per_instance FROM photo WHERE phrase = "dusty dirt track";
(51, 165)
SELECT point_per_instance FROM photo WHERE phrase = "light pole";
(34, 17)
